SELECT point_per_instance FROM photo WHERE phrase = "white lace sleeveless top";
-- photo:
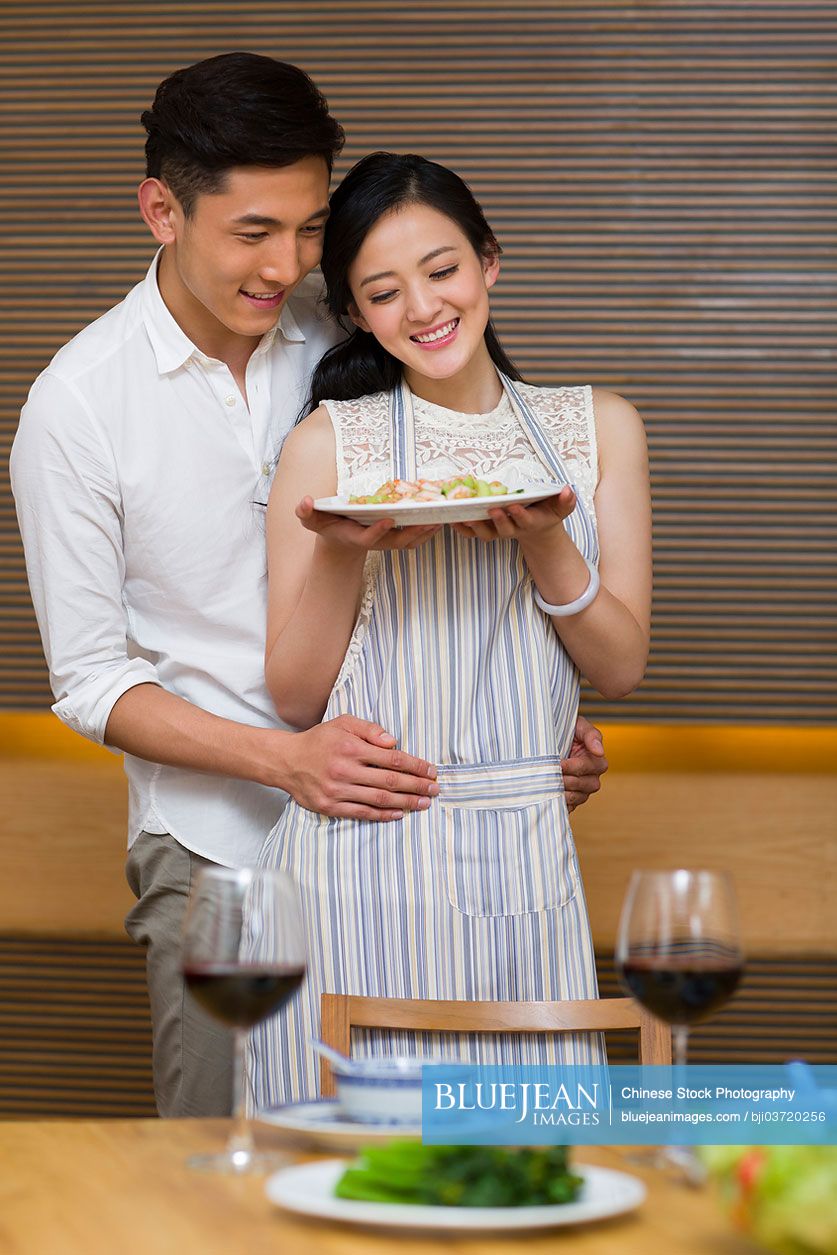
(489, 446)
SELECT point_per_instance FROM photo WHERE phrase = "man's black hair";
(238, 109)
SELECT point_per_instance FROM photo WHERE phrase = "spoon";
(341, 1062)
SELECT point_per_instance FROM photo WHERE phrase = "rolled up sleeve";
(68, 504)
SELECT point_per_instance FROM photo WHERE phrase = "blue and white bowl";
(381, 1091)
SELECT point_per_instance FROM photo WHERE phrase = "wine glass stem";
(680, 1033)
(240, 1145)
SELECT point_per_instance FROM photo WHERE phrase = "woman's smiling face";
(422, 291)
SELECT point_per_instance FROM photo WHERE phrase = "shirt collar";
(172, 347)
(289, 326)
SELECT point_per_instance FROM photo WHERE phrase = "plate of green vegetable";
(408, 1185)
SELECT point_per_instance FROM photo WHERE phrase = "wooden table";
(120, 1187)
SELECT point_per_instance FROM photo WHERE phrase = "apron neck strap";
(402, 432)
(528, 421)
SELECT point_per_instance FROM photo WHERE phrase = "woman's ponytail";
(359, 367)
(355, 367)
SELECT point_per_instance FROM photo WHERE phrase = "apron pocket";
(505, 838)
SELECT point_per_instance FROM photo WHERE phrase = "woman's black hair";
(377, 185)
(238, 109)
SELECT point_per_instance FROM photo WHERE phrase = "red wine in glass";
(678, 988)
(243, 957)
(242, 996)
(678, 951)
(678, 954)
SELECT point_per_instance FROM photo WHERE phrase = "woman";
(467, 641)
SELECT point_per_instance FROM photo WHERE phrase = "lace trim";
(371, 570)
(592, 438)
(362, 439)
(437, 416)
(361, 432)
(504, 452)
(339, 449)
(567, 416)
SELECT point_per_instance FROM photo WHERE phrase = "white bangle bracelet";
(580, 603)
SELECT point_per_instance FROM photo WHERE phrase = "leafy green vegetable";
(460, 1176)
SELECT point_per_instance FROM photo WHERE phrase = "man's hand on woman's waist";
(350, 769)
(585, 766)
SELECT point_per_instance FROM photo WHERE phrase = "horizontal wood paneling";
(658, 749)
(64, 824)
(75, 1036)
(662, 177)
(784, 1009)
(75, 1031)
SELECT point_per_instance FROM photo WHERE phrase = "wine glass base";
(680, 1163)
(239, 1163)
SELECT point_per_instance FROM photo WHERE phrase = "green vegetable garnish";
(460, 1176)
(785, 1197)
(395, 491)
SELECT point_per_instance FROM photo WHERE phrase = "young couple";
(145, 452)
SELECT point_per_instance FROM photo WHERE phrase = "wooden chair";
(343, 1012)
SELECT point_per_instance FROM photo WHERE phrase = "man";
(140, 471)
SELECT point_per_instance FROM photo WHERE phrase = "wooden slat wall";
(75, 1029)
(662, 177)
(74, 1033)
(75, 1037)
(785, 1008)
(64, 823)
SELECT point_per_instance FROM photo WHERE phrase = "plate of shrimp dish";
(460, 499)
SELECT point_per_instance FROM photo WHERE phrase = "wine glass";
(243, 957)
(678, 953)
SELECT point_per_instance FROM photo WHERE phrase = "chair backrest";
(343, 1012)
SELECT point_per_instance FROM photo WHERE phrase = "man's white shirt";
(141, 478)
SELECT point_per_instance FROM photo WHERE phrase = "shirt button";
(266, 469)
(229, 400)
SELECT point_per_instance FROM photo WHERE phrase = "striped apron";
(478, 897)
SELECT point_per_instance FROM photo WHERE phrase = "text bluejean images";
(790, 1104)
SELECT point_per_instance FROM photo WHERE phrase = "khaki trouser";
(192, 1053)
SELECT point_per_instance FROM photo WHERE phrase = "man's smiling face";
(230, 266)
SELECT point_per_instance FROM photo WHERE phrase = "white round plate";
(309, 1190)
(323, 1124)
(407, 512)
